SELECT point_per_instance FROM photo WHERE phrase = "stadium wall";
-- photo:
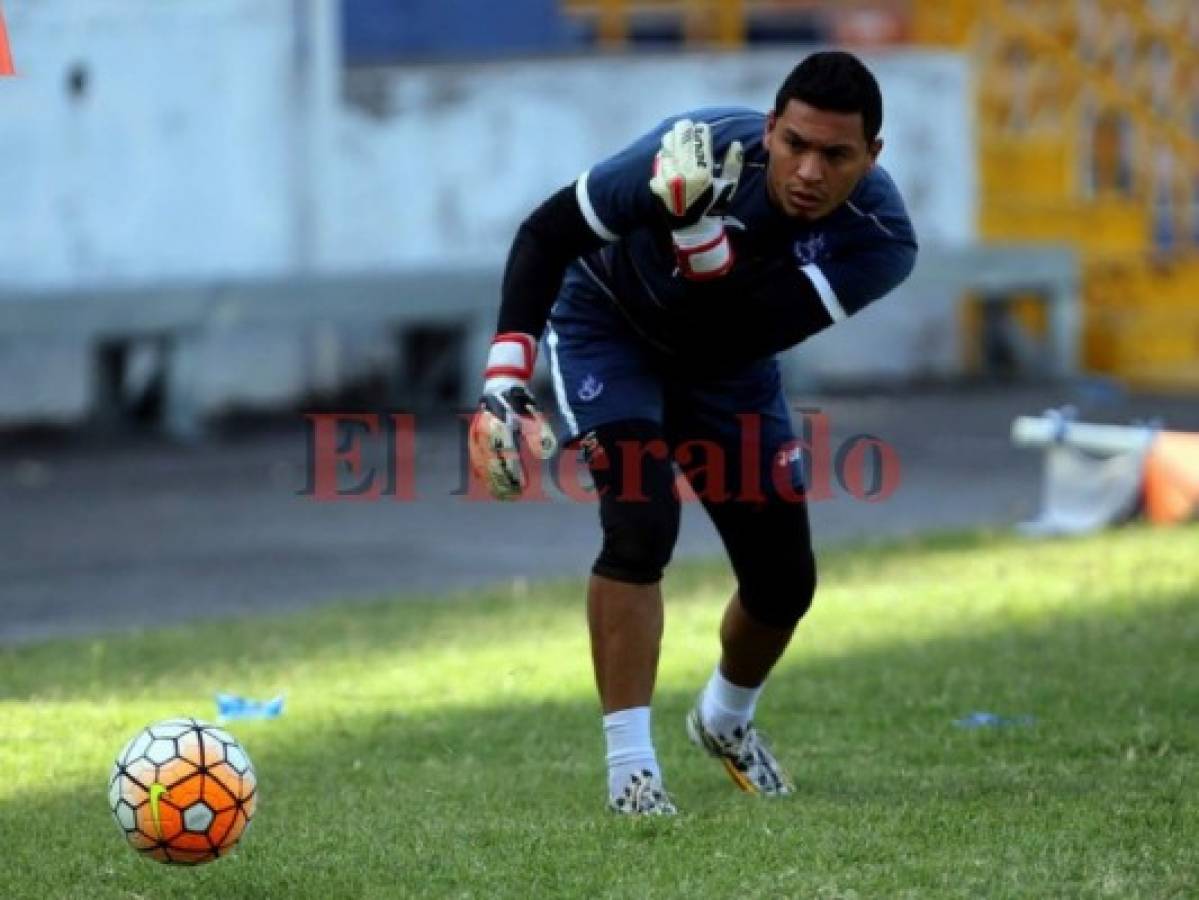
(221, 143)
(491, 141)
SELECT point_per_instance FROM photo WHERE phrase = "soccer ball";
(183, 791)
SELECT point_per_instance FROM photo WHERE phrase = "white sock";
(630, 747)
(727, 709)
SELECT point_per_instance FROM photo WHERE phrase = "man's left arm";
(693, 194)
(852, 278)
(801, 300)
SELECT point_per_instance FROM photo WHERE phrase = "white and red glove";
(695, 197)
(507, 410)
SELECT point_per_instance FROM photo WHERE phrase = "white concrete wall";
(466, 152)
(178, 160)
(190, 155)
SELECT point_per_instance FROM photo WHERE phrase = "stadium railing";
(185, 322)
(180, 317)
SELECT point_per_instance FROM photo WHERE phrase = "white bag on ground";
(1081, 492)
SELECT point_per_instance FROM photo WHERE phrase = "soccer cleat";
(643, 796)
(744, 755)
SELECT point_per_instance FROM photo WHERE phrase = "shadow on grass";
(81, 668)
(1097, 795)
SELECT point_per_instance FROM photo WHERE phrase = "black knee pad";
(770, 547)
(639, 509)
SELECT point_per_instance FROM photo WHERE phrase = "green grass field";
(453, 748)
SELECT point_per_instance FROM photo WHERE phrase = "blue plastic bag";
(231, 706)
(992, 720)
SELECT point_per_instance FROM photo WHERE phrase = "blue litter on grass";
(231, 706)
(991, 720)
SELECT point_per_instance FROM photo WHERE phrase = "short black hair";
(836, 81)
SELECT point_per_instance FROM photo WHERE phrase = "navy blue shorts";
(604, 372)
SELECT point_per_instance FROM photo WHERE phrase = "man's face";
(817, 158)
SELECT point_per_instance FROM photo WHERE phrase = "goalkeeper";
(664, 281)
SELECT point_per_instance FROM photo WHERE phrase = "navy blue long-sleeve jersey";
(790, 278)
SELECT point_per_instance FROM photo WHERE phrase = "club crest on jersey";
(811, 250)
(591, 388)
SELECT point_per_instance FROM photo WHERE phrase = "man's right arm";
(554, 235)
(608, 200)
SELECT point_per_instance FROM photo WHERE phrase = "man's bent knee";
(780, 596)
(770, 547)
(639, 511)
(639, 538)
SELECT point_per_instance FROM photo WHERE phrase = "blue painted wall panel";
(376, 31)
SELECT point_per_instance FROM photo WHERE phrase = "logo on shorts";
(784, 458)
(591, 388)
(810, 251)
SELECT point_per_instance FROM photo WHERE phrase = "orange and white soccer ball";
(183, 791)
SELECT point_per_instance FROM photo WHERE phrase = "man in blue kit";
(664, 281)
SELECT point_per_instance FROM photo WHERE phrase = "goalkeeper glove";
(695, 197)
(506, 410)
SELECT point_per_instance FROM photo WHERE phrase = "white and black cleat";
(643, 795)
(745, 756)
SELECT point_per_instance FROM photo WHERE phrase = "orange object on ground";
(6, 66)
(1171, 482)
